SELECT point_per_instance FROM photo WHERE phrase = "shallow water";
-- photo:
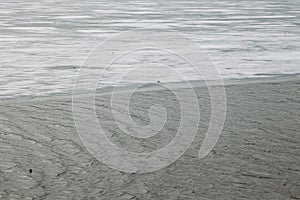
(44, 43)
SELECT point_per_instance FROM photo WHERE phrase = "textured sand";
(256, 157)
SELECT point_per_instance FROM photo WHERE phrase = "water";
(44, 43)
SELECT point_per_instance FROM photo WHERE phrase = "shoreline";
(156, 87)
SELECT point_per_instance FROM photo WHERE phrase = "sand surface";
(256, 157)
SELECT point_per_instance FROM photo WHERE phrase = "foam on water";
(44, 43)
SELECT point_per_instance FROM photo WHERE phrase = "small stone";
(30, 171)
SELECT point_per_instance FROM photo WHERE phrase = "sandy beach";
(165, 134)
(256, 157)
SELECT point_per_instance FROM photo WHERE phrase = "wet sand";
(256, 157)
